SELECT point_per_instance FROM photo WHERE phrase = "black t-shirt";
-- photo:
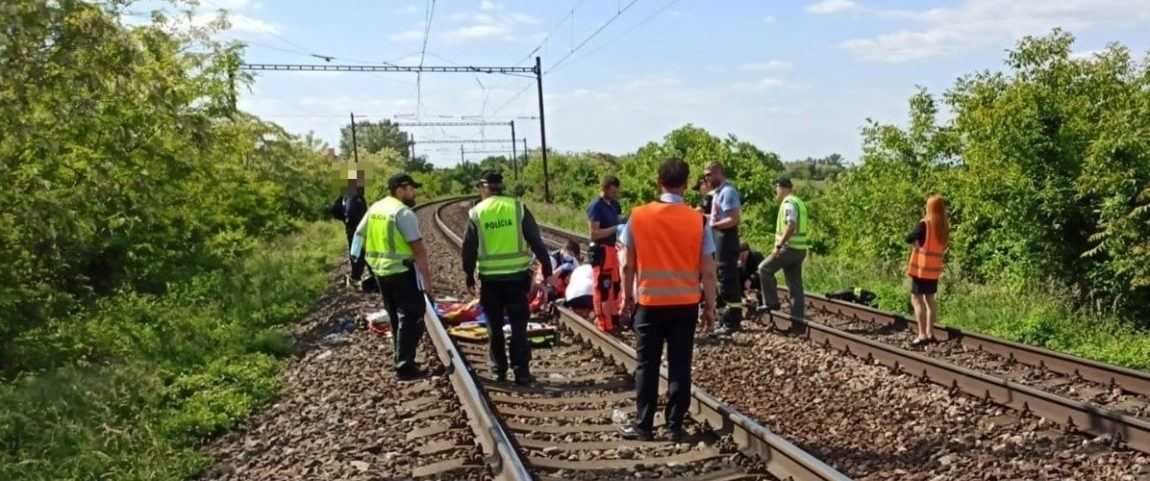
(607, 213)
(355, 207)
(750, 270)
(918, 235)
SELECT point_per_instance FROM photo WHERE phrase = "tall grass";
(149, 378)
(558, 215)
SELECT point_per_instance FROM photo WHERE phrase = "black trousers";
(730, 289)
(361, 261)
(507, 299)
(654, 327)
(405, 306)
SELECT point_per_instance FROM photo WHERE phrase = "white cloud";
(831, 6)
(1085, 54)
(768, 66)
(237, 13)
(650, 82)
(244, 23)
(406, 36)
(226, 4)
(764, 84)
(976, 24)
(769, 19)
(239, 23)
(477, 32)
(490, 22)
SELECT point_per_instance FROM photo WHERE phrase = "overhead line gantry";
(536, 71)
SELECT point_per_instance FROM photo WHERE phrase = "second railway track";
(1081, 394)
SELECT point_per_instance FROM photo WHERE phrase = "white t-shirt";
(790, 213)
(581, 282)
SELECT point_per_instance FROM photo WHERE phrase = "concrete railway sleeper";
(1043, 382)
(1056, 370)
(562, 428)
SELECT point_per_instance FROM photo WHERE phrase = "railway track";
(1084, 395)
(561, 427)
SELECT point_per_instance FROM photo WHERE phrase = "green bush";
(125, 167)
(159, 374)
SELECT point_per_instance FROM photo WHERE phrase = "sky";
(799, 78)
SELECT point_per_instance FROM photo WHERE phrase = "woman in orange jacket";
(929, 240)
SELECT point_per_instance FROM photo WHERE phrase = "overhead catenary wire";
(570, 15)
(422, 54)
(597, 31)
(592, 36)
(512, 99)
(629, 31)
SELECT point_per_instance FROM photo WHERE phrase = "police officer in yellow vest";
(393, 247)
(500, 239)
(792, 229)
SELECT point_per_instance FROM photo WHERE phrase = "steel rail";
(1085, 417)
(1129, 380)
(781, 458)
(500, 453)
(1077, 415)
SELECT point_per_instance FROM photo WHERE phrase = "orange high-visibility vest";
(668, 240)
(926, 261)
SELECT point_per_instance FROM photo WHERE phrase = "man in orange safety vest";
(667, 249)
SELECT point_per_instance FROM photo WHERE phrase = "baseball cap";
(401, 179)
(491, 177)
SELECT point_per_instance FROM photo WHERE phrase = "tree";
(373, 137)
(123, 164)
(1045, 166)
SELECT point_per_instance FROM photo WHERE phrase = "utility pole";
(542, 129)
(514, 159)
(462, 160)
(524, 151)
(354, 147)
(411, 146)
(231, 90)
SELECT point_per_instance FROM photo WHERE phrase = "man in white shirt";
(580, 290)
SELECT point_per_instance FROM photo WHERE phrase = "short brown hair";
(673, 173)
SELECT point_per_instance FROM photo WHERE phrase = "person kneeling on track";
(563, 262)
(579, 295)
(749, 261)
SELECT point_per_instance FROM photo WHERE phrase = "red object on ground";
(379, 329)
